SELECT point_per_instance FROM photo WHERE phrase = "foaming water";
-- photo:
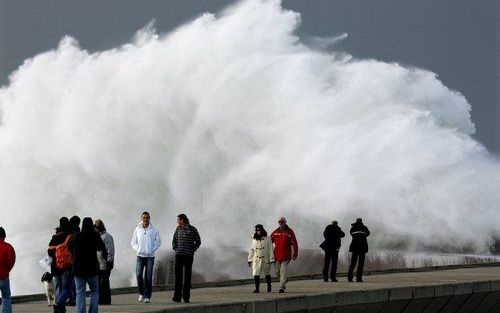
(236, 105)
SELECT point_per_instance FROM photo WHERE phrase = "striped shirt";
(186, 240)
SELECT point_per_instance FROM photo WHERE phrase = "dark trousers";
(354, 259)
(183, 270)
(104, 289)
(333, 257)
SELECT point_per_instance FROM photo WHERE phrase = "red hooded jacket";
(283, 243)
(7, 259)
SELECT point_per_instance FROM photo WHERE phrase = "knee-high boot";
(268, 281)
(256, 280)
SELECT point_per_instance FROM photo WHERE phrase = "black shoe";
(349, 280)
(359, 280)
(71, 303)
(282, 290)
(186, 300)
(176, 300)
(325, 280)
(334, 280)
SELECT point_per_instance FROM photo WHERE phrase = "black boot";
(256, 279)
(268, 281)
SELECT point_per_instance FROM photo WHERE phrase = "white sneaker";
(141, 298)
(147, 300)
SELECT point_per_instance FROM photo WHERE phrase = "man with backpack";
(62, 260)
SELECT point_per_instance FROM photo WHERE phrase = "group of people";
(281, 247)
(81, 257)
(331, 245)
(85, 256)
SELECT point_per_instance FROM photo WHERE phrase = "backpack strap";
(65, 242)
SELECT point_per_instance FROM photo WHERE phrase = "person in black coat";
(331, 245)
(85, 246)
(358, 247)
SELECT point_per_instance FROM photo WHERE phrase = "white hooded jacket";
(145, 241)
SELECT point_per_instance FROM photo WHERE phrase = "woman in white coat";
(260, 257)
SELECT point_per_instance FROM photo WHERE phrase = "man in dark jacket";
(63, 276)
(331, 246)
(74, 225)
(185, 242)
(85, 246)
(358, 247)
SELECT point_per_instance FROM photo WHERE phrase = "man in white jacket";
(145, 241)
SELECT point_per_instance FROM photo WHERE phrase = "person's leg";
(354, 260)
(326, 265)
(6, 299)
(65, 292)
(94, 293)
(277, 267)
(266, 270)
(80, 294)
(178, 278)
(100, 280)
(335, 259)
(57, 287)
(361, 265)
(188, 270)
(139, 269)
(106, 293)
(148, 281)
(284, 274)
(72, 295)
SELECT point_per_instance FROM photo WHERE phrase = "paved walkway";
(127, 303)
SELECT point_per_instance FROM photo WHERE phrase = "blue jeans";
(65, 288)
(6, 302)
(81, 284)
(145, 285)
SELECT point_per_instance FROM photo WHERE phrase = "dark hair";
(99, 225)
(63, 224)
(263, 233)
(2, 233)
(359, 220)
(87, 225)
(145, 212)
(183, 217)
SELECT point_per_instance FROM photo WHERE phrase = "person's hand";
(249, 263)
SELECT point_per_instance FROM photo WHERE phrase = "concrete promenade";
(473, 289)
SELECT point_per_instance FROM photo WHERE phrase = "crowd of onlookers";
(85, 256)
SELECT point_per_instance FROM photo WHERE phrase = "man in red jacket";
(284, 240)
(7, 260)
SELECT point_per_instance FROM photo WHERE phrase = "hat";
(334, 222)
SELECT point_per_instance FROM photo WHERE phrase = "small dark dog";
(50, 287)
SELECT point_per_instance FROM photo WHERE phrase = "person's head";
(182, 220)
(87, 225)
(259, 232)
(63, 224)
(145, 218)
(359, 220)
(2, 233)
(99, 225)
(282, 221)
(335, 223)
(74, 222)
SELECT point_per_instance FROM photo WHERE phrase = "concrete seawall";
(454, 289)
